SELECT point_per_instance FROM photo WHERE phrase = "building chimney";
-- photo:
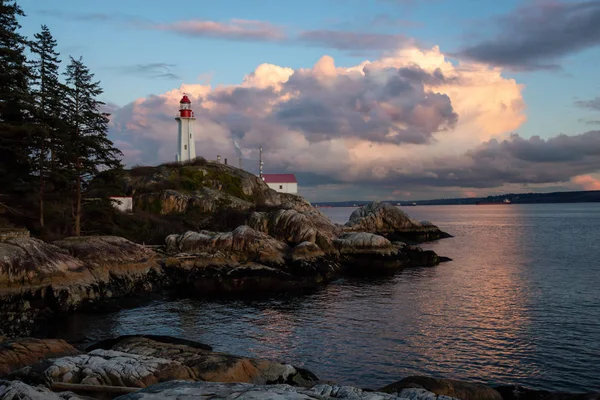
(225, 161)
(219, 159)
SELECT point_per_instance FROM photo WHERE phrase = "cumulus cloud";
(587, 182)
(404, 119)
(538, 34)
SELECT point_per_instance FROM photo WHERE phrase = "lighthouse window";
(280, 186)
(190, 135)
(185, 146)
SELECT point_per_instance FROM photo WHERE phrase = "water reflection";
(519, 304)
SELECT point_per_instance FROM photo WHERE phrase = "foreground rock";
(15, 354)
(202, 390)
(142, 361)
(15, 390)
(390, 221)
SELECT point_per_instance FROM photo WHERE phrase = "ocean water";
(519, 304)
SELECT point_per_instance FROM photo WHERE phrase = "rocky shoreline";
(159, 367)
(280, 251)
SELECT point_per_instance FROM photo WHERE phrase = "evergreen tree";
(14, 98)
(89, 148)
(48, 97)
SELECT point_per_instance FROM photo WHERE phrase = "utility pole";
(260, 163)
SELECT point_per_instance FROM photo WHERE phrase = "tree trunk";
(42, 184)
(78, 201)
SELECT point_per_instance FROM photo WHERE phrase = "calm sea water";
(520, 303)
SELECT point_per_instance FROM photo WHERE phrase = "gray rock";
(389, 220)
(243, 242)
(203, 390)
(15, 390)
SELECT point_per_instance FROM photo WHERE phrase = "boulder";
(390, 221)
(243, 243)
(362, 253)
(363, 243)
(207, 365)
(115, 368)
(15, 390)
(445, 387)
(18, 353)
(204, 390)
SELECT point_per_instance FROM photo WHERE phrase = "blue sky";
(128, 44)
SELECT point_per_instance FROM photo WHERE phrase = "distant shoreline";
(590, 196)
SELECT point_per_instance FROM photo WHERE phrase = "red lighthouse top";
(185, 107)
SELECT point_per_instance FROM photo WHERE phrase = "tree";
(48, 95)
(89, 149)
(14, 98)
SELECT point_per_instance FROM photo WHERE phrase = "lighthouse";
(186, 148)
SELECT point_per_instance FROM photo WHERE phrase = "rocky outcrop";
(445, 387)
(30, 261)
(203, 390)
(388, 220)
(105, 250)
(203, 201)
(242, 244)
(69, 275)
(294, 227)
(18, 353)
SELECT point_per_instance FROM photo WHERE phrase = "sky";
(361, 99)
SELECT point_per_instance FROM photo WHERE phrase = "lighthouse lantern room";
(186, 148)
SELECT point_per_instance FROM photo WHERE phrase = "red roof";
(280, 178)
(185, 99)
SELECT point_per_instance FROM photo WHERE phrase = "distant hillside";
(590, 196)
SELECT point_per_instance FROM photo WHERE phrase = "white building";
(122, 203)
(284, 183)
(186, 147)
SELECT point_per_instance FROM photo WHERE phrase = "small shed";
(122, 203)
(283, 183)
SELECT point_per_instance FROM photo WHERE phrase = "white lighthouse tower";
(186, 148)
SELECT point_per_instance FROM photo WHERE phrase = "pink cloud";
(587, 182)
(238, 29)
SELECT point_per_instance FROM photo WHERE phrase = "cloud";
(587, 182)
(351, 40)
(593, 104)
(151, 70)
(234, 29)
(539, 34)
(402, 119)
